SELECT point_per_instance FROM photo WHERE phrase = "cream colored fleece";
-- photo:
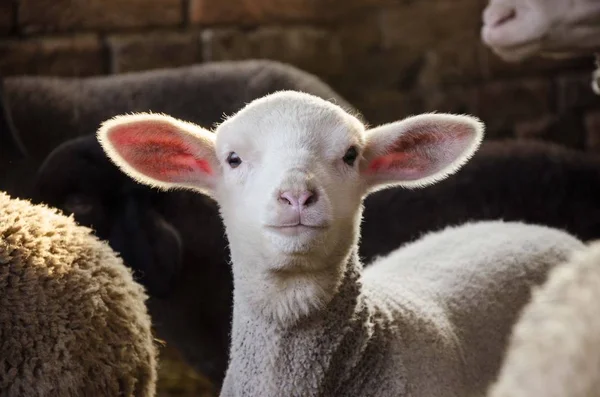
(555, 347)
(431, 319)
(72, 320)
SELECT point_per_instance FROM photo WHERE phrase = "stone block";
(136, 52)
(209, 12)
(442, 36)
(315, 50)
(70, 15)
(71, 56)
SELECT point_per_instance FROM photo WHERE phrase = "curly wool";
(72, 320)
(555, 347)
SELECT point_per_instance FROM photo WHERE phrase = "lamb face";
(290, 182)
(290, 170)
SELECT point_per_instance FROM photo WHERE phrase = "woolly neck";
(319, 351)
(286, 295)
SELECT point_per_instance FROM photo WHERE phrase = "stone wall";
(390, 58)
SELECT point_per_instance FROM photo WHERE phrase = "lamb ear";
(161, 151)
(419, 150)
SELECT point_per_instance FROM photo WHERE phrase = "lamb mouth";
(299, 224)
(296, 228)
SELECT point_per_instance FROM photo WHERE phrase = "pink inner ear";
(158, 151)
(405, 161)
(421, 152)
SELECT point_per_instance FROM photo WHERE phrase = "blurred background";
(389, 58)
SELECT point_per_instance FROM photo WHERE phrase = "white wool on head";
(289, 143)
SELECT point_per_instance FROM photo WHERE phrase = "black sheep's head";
(78, 179)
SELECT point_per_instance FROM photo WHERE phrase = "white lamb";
(289, 172)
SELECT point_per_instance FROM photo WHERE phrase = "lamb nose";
(299, 200)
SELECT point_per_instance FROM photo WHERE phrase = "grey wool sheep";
(72, 320)
(46, 111)
(69, 107)
(554, 350)
(289, 172)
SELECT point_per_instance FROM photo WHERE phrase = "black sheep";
(176, 242)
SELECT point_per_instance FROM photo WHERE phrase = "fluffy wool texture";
(431, 319)
(554, 350)
(72, 320)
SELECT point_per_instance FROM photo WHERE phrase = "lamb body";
(289, 172)
(432, 319)
(72, 320)
(554, 350)
(467, 284)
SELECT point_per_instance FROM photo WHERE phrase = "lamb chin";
(294, 242)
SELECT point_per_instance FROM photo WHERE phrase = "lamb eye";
(234, 160)
(350, 156)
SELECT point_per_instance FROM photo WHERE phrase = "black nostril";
(311, 199)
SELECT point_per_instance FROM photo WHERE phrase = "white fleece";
(555, 347)
(430, 319)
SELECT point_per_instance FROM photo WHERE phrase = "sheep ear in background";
(161, 151)
(419, 150)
